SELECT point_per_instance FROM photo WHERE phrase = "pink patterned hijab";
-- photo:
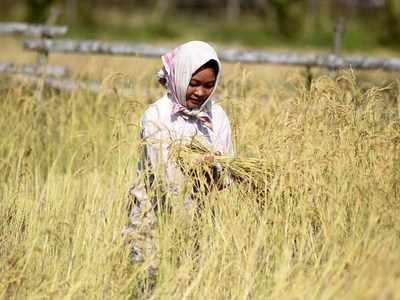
(179, 65)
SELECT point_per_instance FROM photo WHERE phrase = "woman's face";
(200, 87)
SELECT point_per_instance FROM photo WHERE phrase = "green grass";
(145, 32)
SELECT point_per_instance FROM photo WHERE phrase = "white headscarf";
(179, 65)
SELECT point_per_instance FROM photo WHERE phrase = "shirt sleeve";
(223, 138)
(155, 138)
(154, 146)
(147, 159)
(147, 163)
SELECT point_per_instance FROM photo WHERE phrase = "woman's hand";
(208, 158)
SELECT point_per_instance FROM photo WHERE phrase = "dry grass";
(329, 227)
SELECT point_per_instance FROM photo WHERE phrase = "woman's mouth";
(194, 103)
(195, 100)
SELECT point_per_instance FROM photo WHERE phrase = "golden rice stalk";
(256, 172)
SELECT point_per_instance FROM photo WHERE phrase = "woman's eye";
(206, 85)
(209, 85)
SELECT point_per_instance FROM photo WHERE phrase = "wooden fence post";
(337, 42)
(309, 77)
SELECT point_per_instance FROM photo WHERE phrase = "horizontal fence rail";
(32, 29)
(69, 84)
(329, 61)
(229, 55)
(33, 70)
(94, 47)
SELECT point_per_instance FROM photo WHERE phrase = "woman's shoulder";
(157, 110)
(218, 112)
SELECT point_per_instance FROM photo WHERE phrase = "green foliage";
(392, 21)
(317, 32)
(288, 19)
(281, 23)
(147, 32)
(37, 10)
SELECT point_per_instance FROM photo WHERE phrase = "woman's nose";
(200, 92)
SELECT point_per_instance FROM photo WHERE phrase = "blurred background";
(369, 25)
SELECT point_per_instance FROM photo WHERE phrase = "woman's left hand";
(208, 158)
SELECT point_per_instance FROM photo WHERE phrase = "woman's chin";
(191, 105)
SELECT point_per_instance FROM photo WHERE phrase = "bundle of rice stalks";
(255, 172)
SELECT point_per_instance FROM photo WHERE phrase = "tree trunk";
(233, 10)
(312, 20)
(72, 11)
(162, 8)
(261, 7)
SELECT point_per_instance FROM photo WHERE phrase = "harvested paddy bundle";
(253, 172)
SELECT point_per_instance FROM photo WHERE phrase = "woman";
(190, 74)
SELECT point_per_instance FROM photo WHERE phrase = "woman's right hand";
(208, 158)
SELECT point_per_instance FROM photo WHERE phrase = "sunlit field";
(325, 226)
